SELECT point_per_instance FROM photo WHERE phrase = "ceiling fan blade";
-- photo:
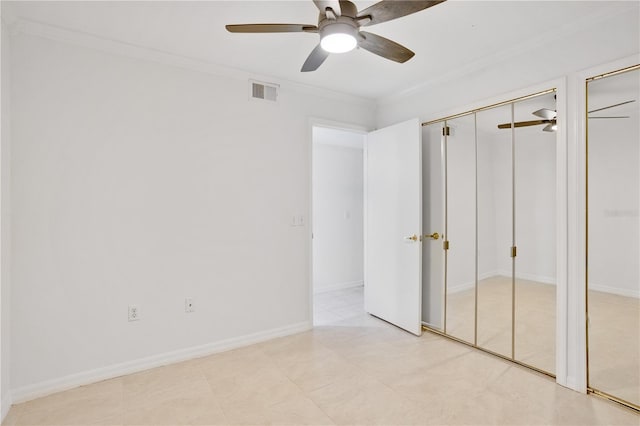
(315, 59)
(271, 28)
(620, 116)
(551, 127)
(611, 106)
(387, 10)
(547, 114)
(323, 5)
(525, 123)
(384, 47)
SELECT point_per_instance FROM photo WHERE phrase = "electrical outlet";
(188, 305)
(134, 313)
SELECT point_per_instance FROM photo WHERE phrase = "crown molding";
(29, 27)
(502, 56)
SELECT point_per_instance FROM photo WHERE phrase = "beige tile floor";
(352, 371)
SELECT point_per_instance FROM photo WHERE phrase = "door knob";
(433, 236)
(414, 237)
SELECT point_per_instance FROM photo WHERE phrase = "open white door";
(393, 218)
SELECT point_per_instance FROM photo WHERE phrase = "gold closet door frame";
(445, 237)
(444, 121)
(590, 389)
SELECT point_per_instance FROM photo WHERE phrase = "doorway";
(338, 224)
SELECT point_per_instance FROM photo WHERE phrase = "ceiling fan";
(339, 28)
(549, 118)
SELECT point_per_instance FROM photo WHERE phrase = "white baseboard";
(627, 292)
(47, 387)
(6, 406)
(338, 286)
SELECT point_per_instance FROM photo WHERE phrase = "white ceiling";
(445, 38)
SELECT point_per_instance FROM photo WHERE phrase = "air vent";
(264, 91)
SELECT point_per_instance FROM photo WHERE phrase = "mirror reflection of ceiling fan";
(548, 117)
(339, 28)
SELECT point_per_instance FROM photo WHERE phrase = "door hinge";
(446, 131)
(513, 251)
(445, 245)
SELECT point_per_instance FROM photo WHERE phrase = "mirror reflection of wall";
(613, 273)
(535, 237)
(495, 231)
(432, 222)
(461, 227)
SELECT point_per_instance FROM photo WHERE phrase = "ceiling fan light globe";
(338, 37)
(338, 43)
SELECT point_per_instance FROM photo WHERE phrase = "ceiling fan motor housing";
(341, 27)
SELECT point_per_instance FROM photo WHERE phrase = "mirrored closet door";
(460, 228)
(495, 230)
(613, 235)
(497, 176)
(535, 235)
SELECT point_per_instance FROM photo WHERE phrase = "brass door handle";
(414, 237)
(433, 236)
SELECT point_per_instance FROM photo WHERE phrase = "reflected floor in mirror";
(614, 345)
(535, 319)
(354, 371)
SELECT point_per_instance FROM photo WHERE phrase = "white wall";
(140, 183)
(5, 236)
(5, 401)
(338, 245)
